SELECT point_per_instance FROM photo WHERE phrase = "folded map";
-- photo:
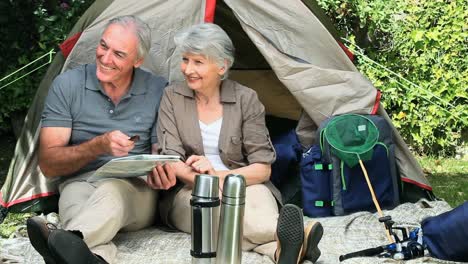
(131, 166)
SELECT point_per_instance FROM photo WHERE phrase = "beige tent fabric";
(321, 91)
(277, 99)
(294, 30)
(303, 130)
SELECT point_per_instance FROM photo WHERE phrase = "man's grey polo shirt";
(76, 100)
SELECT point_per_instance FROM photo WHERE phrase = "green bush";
(426, 43)
(29, 29)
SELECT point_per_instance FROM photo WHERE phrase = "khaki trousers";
(101, 209)
(260, 218)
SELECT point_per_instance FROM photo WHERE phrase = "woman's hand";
(200, 164)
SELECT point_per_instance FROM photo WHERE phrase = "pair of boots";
(58, 246)
(296, 243)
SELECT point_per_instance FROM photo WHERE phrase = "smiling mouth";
(105, 68)
(191, 79)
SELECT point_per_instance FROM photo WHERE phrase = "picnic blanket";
(342, 235)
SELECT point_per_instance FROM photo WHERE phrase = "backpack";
(316, 184)
(288, 154)
(331, 187)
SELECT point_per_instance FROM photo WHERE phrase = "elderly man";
(90, 116)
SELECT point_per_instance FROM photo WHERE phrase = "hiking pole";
(374, 198)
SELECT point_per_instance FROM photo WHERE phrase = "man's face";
(116, 54)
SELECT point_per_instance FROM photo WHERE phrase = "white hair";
(208, 40)
(141, 30)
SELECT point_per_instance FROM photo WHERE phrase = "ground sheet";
(342, 235)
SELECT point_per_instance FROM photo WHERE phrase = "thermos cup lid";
(206, 186)
(234, 186)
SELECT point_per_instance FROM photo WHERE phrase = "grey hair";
(208, 40)
(141, 30)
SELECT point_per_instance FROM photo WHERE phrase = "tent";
(286, 50)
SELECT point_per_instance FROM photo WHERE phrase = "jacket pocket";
(234, 152)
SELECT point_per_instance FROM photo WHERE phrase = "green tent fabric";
(285, 50)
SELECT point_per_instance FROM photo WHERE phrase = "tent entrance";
(247, 55)
(252, 70)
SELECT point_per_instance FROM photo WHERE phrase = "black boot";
(68, 248)
(38, 233)
(290, 235)
(312, 235)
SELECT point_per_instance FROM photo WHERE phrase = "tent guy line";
(50, 53)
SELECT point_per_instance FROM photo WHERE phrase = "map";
(131, 166)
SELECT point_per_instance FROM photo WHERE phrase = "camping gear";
(205, 215)
(316, 184)
(349, 186)
(348, 140)
(343, 234)
(321, 184)
(408, 247)
(284, 171)
(352, 138)
(285, 50)
(231, 221)
(446, 235)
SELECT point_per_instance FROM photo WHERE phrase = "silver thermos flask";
(205, 218)
(231, 221)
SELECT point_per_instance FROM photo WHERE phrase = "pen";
(134, 138)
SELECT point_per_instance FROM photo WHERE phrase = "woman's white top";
(210, 137)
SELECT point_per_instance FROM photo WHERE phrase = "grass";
(12, 223)
(448, 177)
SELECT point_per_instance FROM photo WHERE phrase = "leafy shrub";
(30, 29)
(426, 43)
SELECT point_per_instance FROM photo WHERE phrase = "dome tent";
(285, 50)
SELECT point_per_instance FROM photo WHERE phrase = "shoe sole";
(290, 232)
(38, 239)
(314, 233)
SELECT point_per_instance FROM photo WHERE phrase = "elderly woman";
(218, 127)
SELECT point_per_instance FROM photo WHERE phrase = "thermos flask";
(205, 218)
(229, 249)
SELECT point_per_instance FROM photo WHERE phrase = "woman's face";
(200, 73)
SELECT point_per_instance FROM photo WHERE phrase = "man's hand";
(162, 177)
(116, 143)
(58, 158)
(200, 164)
